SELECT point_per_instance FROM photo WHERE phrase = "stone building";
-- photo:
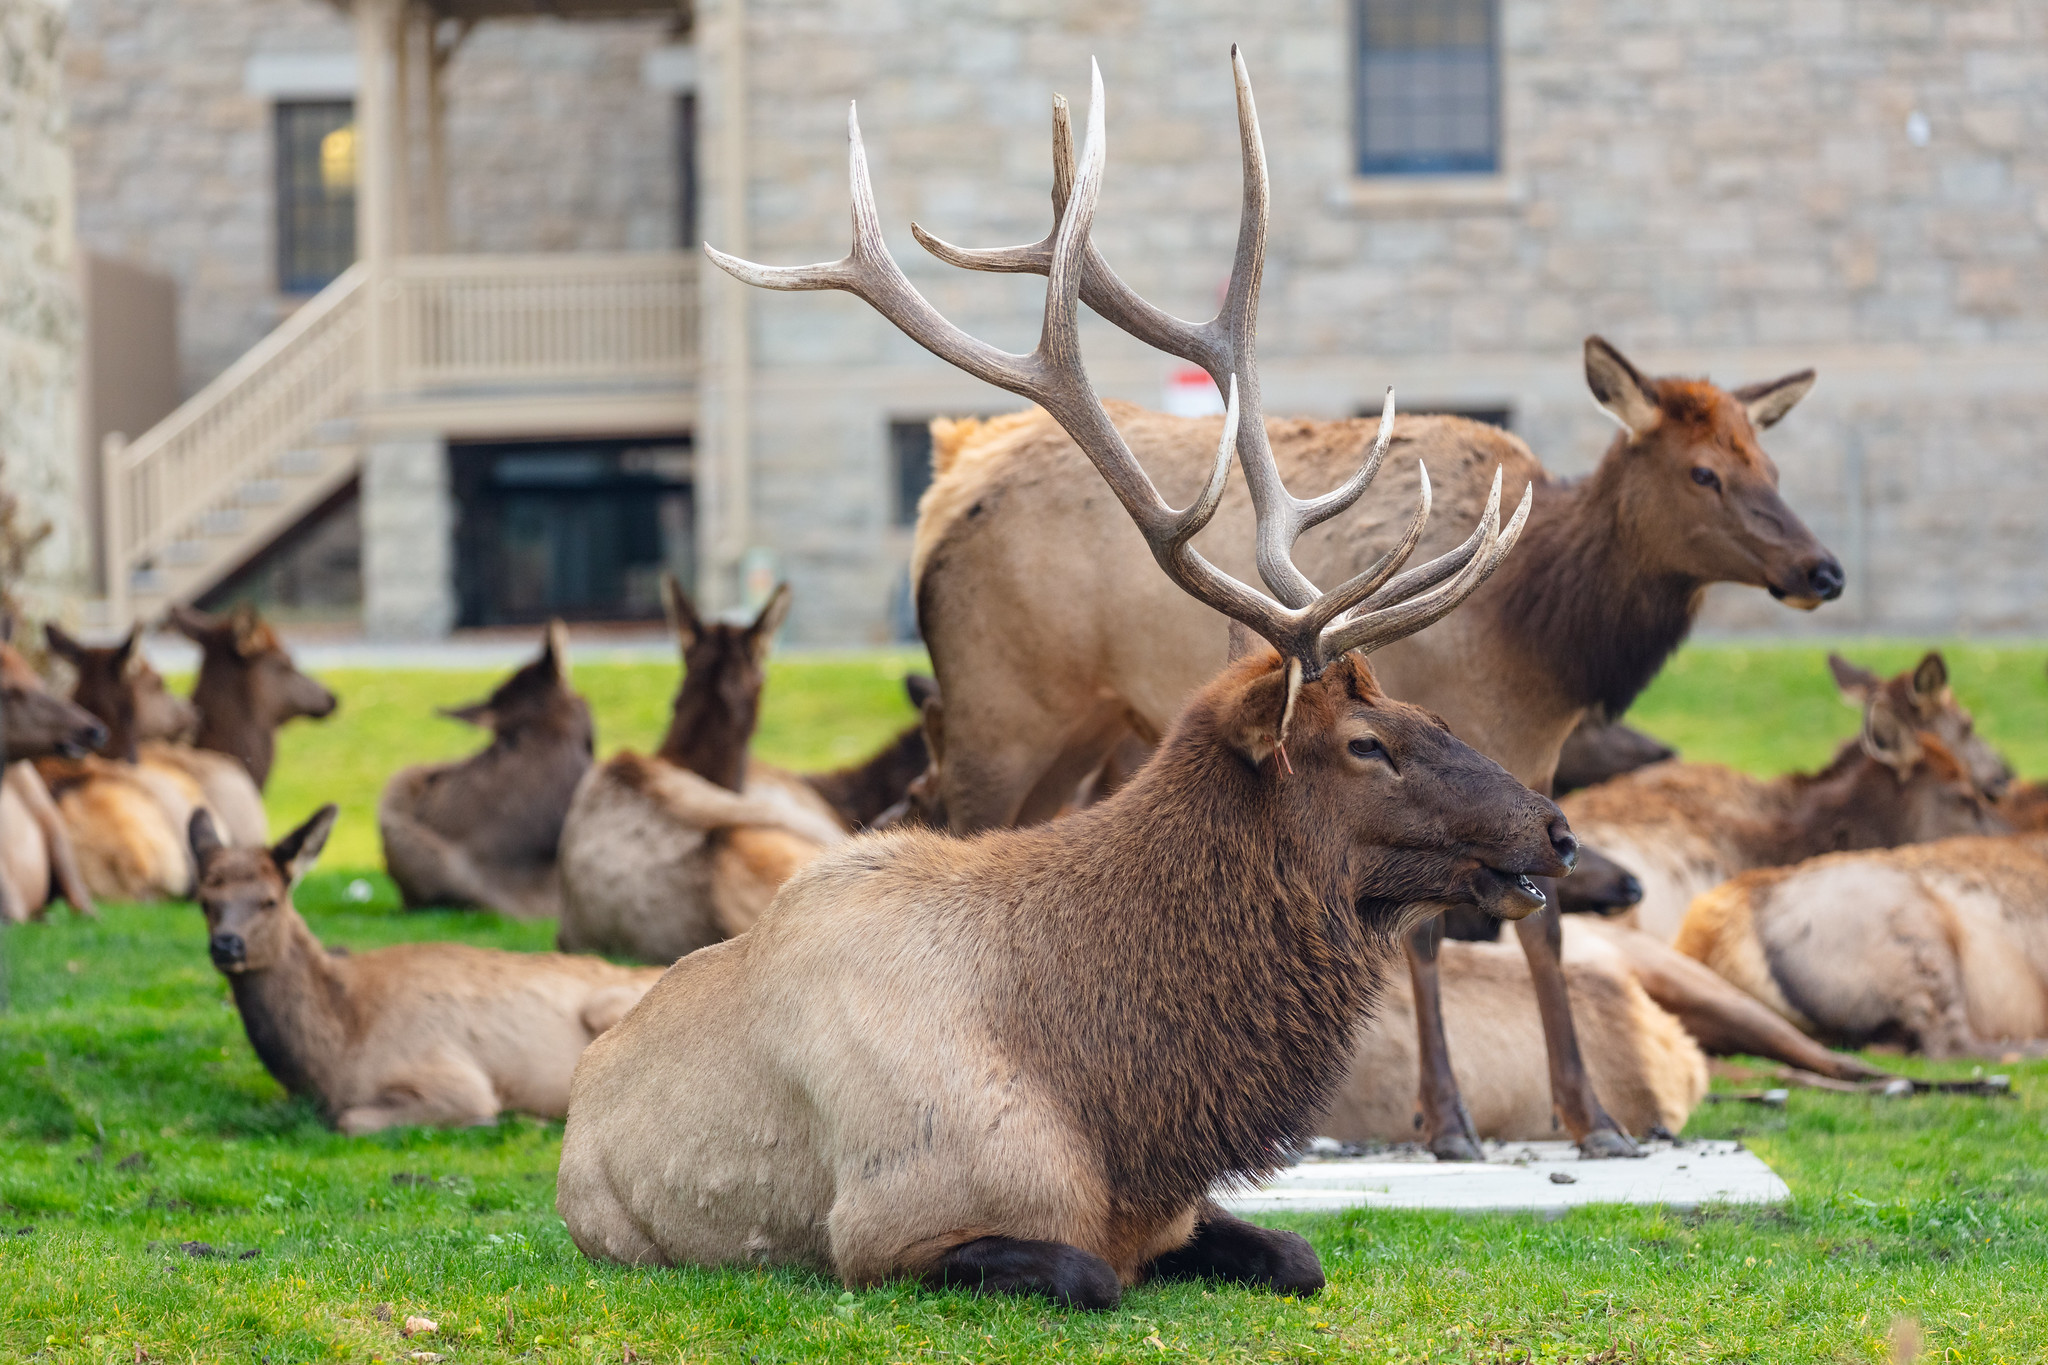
(39, 322)
(1462, 190)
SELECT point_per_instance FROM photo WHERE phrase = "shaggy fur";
(424, 1033)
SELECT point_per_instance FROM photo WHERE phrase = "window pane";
(1428, 86)
(316, 193)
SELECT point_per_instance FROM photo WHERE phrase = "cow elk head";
(724, 669)
(246, 893)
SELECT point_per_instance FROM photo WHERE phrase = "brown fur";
(1599, 750)
(1068, 1033)
(2025, 807)
(484, 830)
(248, 686)
(121, 822)
(1941, 947)
(426, 1033)
(37, 856)
(1648, 1072)
(1684, 827)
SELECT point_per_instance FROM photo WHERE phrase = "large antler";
(1382, 603)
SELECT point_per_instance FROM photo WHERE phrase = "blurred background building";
(392, 310)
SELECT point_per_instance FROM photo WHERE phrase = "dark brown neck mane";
(862, 792)
(1840, 808)
(227, 723)
(1225, 989)
(708, 735)
(1577, 600)
(297, 1013)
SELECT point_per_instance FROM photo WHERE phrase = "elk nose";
(1563, 842)
(92, 735)
(1630, 891)
(1825, 579)
(227, 949)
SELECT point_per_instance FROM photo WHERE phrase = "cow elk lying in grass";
(1941, 947)
(247, 687)
(147, 726)
(1915, 773)
(1030, 597)
(1020, 1063)
(36, 854)
(423, 1033)
(484, 830)
(663, 854)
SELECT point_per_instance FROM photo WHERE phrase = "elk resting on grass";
(248, 686)
(36, 854)
(1021, 1063)
(423, 1033)
(484, 830)
(147, 724)
(1028, 596)
(663, 854)
(1684, 827)
(1939, 947)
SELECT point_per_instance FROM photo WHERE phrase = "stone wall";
(39, 326)
(554, 144)
(1726, 189)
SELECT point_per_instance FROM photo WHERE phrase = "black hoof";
(1067, 1275)
(1225, 1247)
(1606, 1144)
(1455, 1146)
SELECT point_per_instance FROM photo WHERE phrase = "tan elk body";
(36, 853)
(422, 1033)
(663, 853)
(1021, 1062)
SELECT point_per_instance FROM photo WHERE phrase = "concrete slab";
(1539, 1177)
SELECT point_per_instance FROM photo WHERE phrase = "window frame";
(1419, 169)
(286, 186)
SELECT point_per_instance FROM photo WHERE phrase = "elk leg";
(28, 785)
(1226, 1247)
(1067, 1275)
(1571, 1086)
(1446, 1126)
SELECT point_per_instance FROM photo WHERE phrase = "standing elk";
(1916, 772)
(35, 846)
(1028, 595)
(422, 1033)
(484, 830)
(146, 726)
(664, 853)
(247, 687)
(1021, 1063)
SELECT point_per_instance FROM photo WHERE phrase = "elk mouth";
(1508, 895)
(1799, 603)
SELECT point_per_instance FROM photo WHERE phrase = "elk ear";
(1263, 711)
(251, 638)
(1889, 739)
(477, 713)
(203, 837)
(1243, 640)
(1930, 679)
(295, 853)
(61, 643)
(1857, 685)
(196, 626)
(124, 653)
(683, 621)
(1773, 398)
(556, 652)
(1620, 388)
(762, 633)
(921, 689)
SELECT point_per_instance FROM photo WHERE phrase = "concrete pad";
(1519, 1177)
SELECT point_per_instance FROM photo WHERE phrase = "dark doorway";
(577, 529)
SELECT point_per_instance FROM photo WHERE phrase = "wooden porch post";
(378, 202)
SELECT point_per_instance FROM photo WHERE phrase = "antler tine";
(1316, 511)
(1375, 630)
(1345, 596)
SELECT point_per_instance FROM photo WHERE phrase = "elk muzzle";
(1812, 583)
(228, 951)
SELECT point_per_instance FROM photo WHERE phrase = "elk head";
(248, 685)
(246, 893)
(1698, 491)
(1313, 737)
(118, 685)
(1922, 697)
(1926, 793)
(719, 702)
(535, 700)
(34, 722)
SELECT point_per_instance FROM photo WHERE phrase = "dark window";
(316, 193)
(910, 451)
(1502, 417)
(579, 529)
(1427, 86)
(686, 171)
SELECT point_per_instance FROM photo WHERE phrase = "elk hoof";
(1067, 1275)
(1604, 1144)
(1226, 1247)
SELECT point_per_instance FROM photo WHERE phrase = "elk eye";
(1705, 477)
(1369, 748)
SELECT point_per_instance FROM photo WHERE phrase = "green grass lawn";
(134, 1118)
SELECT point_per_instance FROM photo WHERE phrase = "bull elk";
(423, 1033)
(663, 853)
(1037, 622)
(1021, 1063)
(247, 687)
(1916, 772)
(484, 830)
(36, 853)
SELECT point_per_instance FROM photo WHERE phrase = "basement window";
(1426, 87)
(316, 193)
